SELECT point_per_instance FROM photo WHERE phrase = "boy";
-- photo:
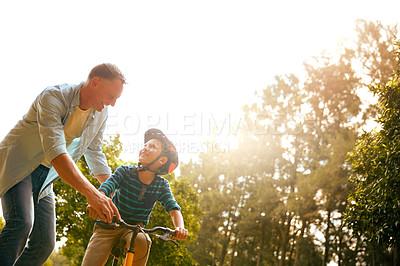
(136, 189)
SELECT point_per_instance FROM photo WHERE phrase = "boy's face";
(151, 150)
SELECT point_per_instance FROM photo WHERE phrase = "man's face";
(151, 150)
(106, 92)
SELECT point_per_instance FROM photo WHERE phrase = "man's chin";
(100, 109)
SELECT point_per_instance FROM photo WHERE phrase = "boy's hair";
(107, 71)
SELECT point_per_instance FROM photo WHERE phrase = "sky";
(189, 64)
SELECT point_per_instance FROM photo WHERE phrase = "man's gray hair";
(107, 71)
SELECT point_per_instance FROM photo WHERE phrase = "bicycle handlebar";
(115, 224)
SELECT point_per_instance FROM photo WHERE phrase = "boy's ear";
(163, 160)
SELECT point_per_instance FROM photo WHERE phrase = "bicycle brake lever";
(176, 243)
(166, 238)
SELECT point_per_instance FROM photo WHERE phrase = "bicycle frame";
(130, 253)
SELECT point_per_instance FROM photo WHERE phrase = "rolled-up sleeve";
(49, 117)
(167, 199)
(94, 155)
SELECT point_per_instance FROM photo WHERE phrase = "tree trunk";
(356, 251)
(339, 251)
(396, 256)
(224, 248)
(286, 233)
(292, 247)
(285, 240)
(278, 250)
(234, 249)
(298, 244)
(262, 239)
(326, 255)
(227, 239)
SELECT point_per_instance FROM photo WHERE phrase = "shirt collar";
(77, 96)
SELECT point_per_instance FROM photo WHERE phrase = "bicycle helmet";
(168, 151)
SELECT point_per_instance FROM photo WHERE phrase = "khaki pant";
(102, 241)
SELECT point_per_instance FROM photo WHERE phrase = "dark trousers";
(28, 237)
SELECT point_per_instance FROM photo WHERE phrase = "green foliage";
(2, 223)
(72, 221)
(56, 259)
(374, 205)
(376, 45)
(166, 253)
(77, 227)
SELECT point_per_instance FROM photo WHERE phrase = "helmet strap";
(146, 168)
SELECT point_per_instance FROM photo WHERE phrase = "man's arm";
(92, 213)
(95, 156)
(50, 110)
(177, 220)
(102, 178)
(70, 173)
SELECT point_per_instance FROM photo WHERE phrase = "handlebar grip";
(112, 225)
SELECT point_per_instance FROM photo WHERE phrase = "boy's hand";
(180, 233)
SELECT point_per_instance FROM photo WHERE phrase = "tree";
(77, 227)
(251, 195)
(374, 50)
(332, 94)
(373, 212)
(218, 199)
(288, 179)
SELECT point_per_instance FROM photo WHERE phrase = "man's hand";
(102, 208)
(70, 173)
(180, 233)
(92, 213)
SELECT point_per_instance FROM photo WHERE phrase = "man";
(63, 123)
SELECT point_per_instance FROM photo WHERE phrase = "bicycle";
(119, 248)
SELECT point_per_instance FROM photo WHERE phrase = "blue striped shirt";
(128, 188)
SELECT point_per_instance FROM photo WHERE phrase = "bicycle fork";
(130, 254)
